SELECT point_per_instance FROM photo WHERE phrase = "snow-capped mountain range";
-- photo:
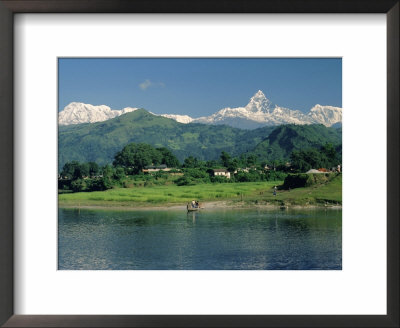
(76, 113)
(260, 111)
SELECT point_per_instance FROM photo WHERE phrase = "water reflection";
(192, 216)
(207, 240)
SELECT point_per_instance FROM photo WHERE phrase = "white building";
(222, 172)
(153, 168)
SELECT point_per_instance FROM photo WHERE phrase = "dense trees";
(167, 157)
(71, 170)
(134, 157)
(76, 170)
(94, 169)
(193, 176)
(225, 158)
(129, 163)
(131, 160)
(192, 162)
(325, 157)
(285, 139)
(77, 176)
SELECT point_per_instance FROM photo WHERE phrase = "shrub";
(275, 176)
(78, 185)
(318, 178)
(119, 173)
(196, 175)
(306, 180)
(219, 179)
(251, 176)
(97, 185)
(184, 181)
(127, 184)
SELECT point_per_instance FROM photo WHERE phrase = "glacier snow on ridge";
(77, 113)
(260, 111)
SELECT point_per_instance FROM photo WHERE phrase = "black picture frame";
(10, 7)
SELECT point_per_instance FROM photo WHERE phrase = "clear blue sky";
(199, 87)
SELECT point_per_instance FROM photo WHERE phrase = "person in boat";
(197, 203)
(193, 203)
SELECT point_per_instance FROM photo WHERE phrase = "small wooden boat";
(190, 208)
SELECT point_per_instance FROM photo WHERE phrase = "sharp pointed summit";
(260, 111)
(260, 103)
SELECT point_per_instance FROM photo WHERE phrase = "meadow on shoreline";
(235, 194)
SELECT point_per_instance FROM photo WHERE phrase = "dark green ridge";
(100, 141)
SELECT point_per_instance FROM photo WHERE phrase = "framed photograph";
(218, 164)
(254, 187)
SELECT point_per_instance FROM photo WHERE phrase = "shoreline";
(212, 205)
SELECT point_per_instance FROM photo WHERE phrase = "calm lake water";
(209, 240)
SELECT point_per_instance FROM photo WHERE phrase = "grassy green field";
(329, 193)
(237, 193)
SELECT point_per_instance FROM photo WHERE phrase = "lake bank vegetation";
(328, 193)
(138, 165)
(143, 175)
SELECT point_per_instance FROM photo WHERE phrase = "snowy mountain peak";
(76, 113)
(327, 115)
(179, 118)
(260, 111)
(259, 95)
(260, 103)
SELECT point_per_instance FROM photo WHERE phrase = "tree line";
(129, 163)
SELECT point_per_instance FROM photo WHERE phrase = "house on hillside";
(156, 168)
(247, 169)
(222, 172)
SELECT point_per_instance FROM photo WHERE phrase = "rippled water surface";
(209, 240)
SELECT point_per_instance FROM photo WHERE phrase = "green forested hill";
(285, 138)
(99, 142)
